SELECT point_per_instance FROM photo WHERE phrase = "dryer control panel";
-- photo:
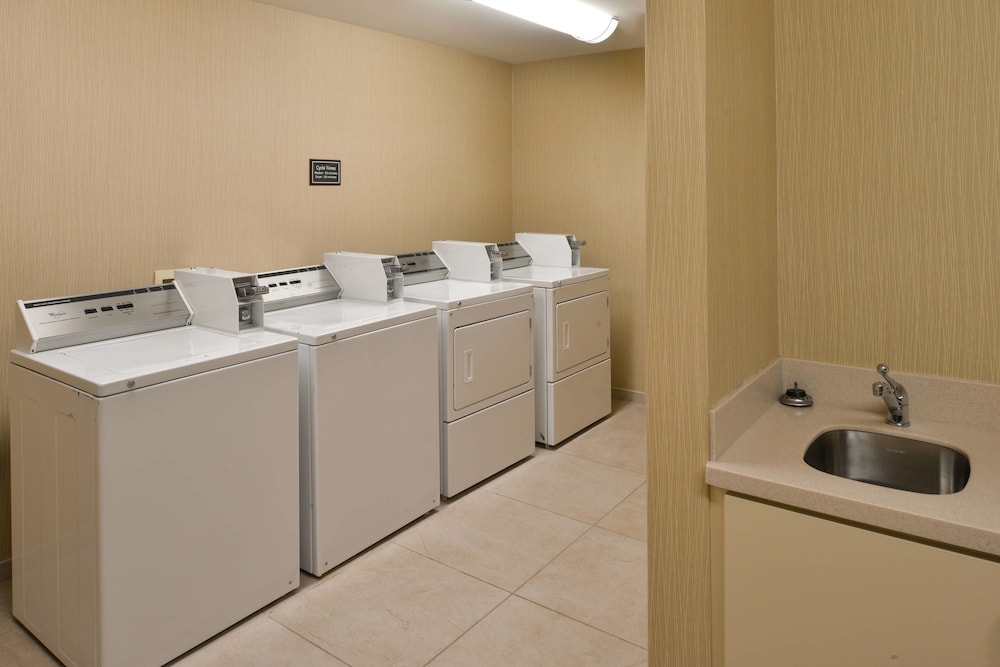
(46, 324)
(551, 249)
(467, 260)
(366, 276)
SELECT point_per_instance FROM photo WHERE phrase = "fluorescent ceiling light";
(569, 16)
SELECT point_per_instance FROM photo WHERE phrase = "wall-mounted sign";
(324, 172)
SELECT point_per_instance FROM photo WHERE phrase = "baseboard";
(5, 570)
(629, 395)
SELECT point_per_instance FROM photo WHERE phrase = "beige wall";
(677, 351)
(889, 183)
(742, 233)
(713, 297)
(579, 168)
(886, 154)
(885, 170)
(144, 134)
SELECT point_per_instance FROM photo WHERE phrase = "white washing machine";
(572, 332)
(154, 473)
(368, 432)
(486, 376)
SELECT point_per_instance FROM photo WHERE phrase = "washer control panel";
(421, 267)
(514, 256)
(297, 287)
(47, 324)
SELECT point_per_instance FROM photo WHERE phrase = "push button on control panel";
(87, 318)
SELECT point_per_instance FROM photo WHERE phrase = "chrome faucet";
(895, 397)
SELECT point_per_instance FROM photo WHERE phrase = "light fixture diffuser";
(569, 16)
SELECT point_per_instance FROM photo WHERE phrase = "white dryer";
(572, 332)
(487, 374)
(368, 433)
(154, 473)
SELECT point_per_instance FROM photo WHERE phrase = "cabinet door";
(804, 590)
(582, 330)
(491, 357)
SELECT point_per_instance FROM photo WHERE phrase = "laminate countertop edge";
(766, 462)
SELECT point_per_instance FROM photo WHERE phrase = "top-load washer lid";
(337, 319)
(122, 364)
(448, 294)
(554, 276)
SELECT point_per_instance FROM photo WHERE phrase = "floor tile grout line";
(610, 465)
(310, 641)
(581, 622)
(469, 629)
(560, 514)
(564, 550)
(507, 596)
(578, 539)
(522, 584)
(590, 526)
(620, 503)
(561, 449)
(452, 567)
(645, 480)
(543, 606)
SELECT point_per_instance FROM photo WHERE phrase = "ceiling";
(471, 27)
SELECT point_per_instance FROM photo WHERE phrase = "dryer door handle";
(468, 366)
(565, 344)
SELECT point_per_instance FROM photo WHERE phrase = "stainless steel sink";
(889, 460)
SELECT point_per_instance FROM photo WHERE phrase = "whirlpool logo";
(56, 314)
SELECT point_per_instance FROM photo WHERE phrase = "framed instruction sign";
(324, 172)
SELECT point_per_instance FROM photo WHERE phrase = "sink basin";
(889, 460)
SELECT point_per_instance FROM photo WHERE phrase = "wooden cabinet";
(803, 590)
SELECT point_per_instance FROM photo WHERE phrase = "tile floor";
(543, 565)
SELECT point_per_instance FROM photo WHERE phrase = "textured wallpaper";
(143, 134)
(741, 168)
(579, 168)
(889, 183)
(677, 350)
(712, 270)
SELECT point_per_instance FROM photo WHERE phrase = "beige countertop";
(765, 460)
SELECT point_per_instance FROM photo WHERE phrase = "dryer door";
(582, 330)
(490, 358)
